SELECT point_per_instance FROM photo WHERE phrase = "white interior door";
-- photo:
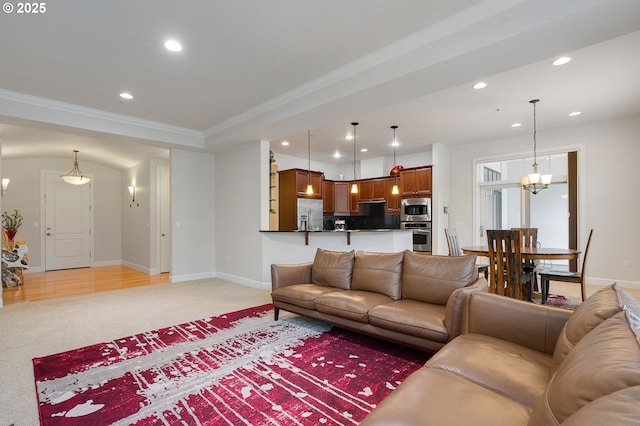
(67, 224)
(164, 219)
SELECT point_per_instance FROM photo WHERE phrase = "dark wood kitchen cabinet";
(393, 200)
(415, 182)
(342, 199)
(365, 190)
(372, 190)
(328, 197)
(293, 182)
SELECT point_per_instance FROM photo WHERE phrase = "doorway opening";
(503, 204)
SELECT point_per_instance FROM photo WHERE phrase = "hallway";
(52, 284)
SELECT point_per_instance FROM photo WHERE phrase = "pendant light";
(535, 182)
(309, 186)
(75, 176)
(354, 185)
(395, 190)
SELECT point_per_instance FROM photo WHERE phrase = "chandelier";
(75, 176)
(535, 182)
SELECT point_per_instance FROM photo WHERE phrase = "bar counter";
(300, 246)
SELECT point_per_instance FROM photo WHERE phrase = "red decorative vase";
(11, 233)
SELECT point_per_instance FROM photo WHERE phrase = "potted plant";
(11, 223)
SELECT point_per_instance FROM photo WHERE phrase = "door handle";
(48, 233)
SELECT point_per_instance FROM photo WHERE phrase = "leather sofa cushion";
(350, 304)
(378, 273)
(619, 408)
(592, 312)
(413, 318)
(434, 397)
(303, 295)
(604, 361)
(332, 268)
(507, 368)
(432, 279)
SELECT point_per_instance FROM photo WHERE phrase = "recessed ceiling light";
(364, 150)
(349, 137)
(284, 143)
(126, 95)
(561, 60)
(173, 45)
(337, 155)
(480, 85)
(395, 143)
(574, 113)
(516, 125)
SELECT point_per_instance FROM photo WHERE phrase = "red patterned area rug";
(560, 301)
(238, 368)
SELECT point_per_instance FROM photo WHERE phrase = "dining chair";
(529, 238)
(454, 250)
(566, 276)
(505, 265)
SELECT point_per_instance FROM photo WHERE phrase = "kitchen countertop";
(332, 231)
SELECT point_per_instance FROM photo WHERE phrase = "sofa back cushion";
(432, 279)
(606, 360)
(378, 273)
(332, 268)
(592, 312)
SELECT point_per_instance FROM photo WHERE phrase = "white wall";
(440, 198)
(135, 219)
(607, 190)
(239, 184)
(193, 215)
(24, 194)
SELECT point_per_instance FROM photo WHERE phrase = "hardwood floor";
(46, 285)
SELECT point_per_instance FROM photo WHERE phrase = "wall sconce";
(5, 185)
(132, 194)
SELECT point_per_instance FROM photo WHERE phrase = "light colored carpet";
(35, 329)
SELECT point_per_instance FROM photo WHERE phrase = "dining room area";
(532, 244)
(516, 267)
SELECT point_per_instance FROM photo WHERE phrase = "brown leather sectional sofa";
(524, 364)
(409, 298)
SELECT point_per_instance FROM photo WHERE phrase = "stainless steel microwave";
(415, 210)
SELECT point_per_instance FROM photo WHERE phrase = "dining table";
(530, 253)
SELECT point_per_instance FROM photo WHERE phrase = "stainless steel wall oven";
(421, 234)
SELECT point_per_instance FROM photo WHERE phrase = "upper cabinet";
(343, 201)
(339, 201)
(293, 183)
(328, 197)
(393, 200)
(372, 190)
(415, 182)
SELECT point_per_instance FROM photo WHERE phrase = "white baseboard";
(244, 281)
(137, 267)
(635, 285)
(191, 277)
(106, 263)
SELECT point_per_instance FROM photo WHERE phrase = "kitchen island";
(300, 246)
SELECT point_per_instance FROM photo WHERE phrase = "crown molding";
(29, 107)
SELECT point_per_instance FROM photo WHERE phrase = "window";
(503, 204)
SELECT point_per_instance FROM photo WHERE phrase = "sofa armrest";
(284, 275)
(456, 311)
(525, 323)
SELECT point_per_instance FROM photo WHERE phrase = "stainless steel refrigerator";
(309, 215)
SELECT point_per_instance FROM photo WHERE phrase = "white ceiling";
(254, 70)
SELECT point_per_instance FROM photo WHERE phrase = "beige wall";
(609, 153)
